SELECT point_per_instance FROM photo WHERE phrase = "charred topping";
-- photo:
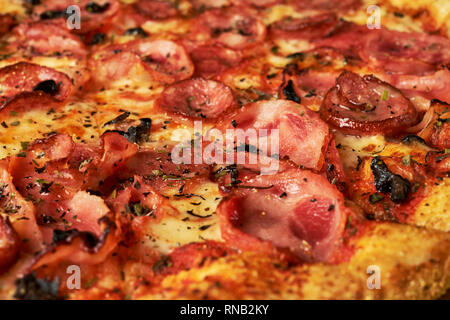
(53, 14)
(188, 195)
(300, 56)
(232, 170)
(138, 134)
(358, 158)
(289, 92)
(387, 182)
(412, 138)
(162, 263)
(31, 288)
(45, 186)
(136, 32)
(63, 235)
(137, 209)
(47, 86)
(191, 212)
(90, 241)
(98, 38)
(118, 119)
(93, 7)
(203, 228)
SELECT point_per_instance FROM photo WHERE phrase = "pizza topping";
(197, 98)
(236, 28)
(21, 212)
(26, 101)
(387, 182)
(213, 60)
(155, 9)
(93, 15)
(81, 247)
(288, 92)
(201, 5)
(29, 77)
(367, 105)
(405, 52)
(307, 221)
(313, 85)
(165, 60)
(160, 171)
(303, 136)
(431, 86)
(29, 287)
(47, 38)
(307, 28)
(134, 134)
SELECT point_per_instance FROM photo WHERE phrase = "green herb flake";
(375, 197)
(24, 145)
(406, 160)
(90, 283)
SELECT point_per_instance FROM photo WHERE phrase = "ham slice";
(197, 98)
(295, 210)
(303, 136)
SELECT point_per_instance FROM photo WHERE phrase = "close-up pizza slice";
(224, 149)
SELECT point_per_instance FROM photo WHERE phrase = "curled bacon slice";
(431, 86)
(303, 136)
(30, 77)
(213, 60)
(309, 85)
(47, 38)
(93, 14)
(367, 105)
(405, 52)
(307, 28)
(81, 247)
(27, 101)
(295, 210)
(197, 98)
(165, 60)
(234, 27)
(155, 9)
(21, 212)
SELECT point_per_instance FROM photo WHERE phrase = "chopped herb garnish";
(376, 197)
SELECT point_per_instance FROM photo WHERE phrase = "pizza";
(224, 149)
